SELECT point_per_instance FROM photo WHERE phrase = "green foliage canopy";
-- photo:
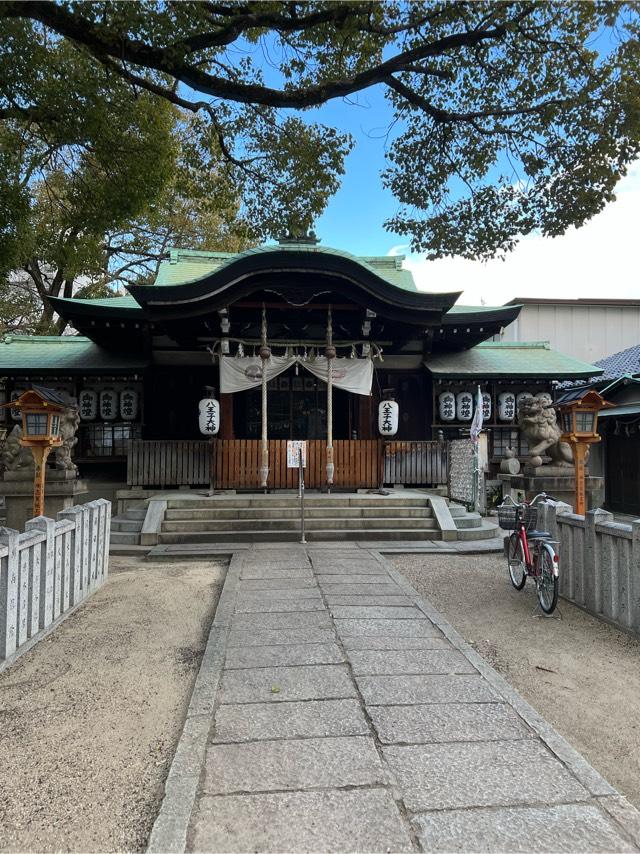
(509, 116)
(97, 185)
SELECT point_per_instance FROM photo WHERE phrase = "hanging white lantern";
(209, 416)
(388, 418)
(447, 406)
(108, 405)
(486, 406)
(88, 404)
(506, 406)
(128, 404)
(464, 405)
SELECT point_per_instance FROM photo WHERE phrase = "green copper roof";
(108, 302)
(509, 359)
(188, 265)
(59, 353)
(474, 309)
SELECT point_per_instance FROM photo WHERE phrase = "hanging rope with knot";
(330, 353)
(265, 355)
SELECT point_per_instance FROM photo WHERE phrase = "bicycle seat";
(538, 535)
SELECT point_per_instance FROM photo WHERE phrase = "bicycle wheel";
(547, 582)
(517, 563)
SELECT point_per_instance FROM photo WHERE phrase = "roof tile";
(507, 359)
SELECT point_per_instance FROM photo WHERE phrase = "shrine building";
(214, 324)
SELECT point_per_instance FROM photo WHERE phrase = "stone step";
(484, 531)
(124, 538)
(469, 520)
(323, 535)
(271, 502)
(337, 523)
(313, 511)
(136, 513)
(121, 523)
(457, 510)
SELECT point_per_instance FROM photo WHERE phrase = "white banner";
(240, 374)
(354, 375)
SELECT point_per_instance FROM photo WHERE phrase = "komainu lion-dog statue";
(537, 420)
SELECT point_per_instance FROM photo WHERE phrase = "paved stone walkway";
(349, 716)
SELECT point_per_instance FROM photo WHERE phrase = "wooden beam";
(226, 416)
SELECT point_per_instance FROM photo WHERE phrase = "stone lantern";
(41, 410)
(578, 412)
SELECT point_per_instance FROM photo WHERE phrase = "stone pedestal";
(558, 481)
(62, 490)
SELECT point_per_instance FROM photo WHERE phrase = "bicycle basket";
(507, 516)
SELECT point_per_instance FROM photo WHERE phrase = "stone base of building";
(558, 481)
(62, 489)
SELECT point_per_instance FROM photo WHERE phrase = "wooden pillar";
(365, 426)
(579, 453)
(226, 416)
(330, 354)
(40, 454)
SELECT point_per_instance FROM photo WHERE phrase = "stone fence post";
(9, 569)
(593, 559)
(48, 569)
(74, 516)
(634, 591)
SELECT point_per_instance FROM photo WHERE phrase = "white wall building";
(587, 329)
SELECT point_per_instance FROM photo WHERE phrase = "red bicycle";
(530, 552)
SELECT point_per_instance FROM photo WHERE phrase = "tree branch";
(122, 48)
(444, 116)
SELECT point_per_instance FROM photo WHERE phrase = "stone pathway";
(349, 716)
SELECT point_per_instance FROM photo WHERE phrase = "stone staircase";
(125, 529)
(471, 526)
(276, 518)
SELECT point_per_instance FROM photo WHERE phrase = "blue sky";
(355, 216)
(597, 260)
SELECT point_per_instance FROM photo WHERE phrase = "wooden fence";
(166, 464)
(50, 568)
(235, 463)
(415, 463)
(357, 464)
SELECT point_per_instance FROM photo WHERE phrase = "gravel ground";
(90, 717)
(581, 674)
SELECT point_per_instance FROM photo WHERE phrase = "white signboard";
(294, 447)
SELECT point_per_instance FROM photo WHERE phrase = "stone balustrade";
(47, 570)
(599, 562)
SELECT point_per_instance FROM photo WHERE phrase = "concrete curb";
(615, 804)
(169, 832)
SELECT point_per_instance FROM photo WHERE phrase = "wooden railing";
(164, 463)
(359, 463)
(415, 463)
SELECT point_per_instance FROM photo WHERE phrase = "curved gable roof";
(381, 286)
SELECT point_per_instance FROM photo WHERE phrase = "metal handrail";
(301, 494)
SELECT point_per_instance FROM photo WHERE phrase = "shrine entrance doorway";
(297, 409)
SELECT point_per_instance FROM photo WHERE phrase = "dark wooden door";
(622, 475)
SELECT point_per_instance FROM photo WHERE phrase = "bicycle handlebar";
(542, 495)
(530, 503)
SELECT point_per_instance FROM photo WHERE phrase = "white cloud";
(400, 249)
(601, 259)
